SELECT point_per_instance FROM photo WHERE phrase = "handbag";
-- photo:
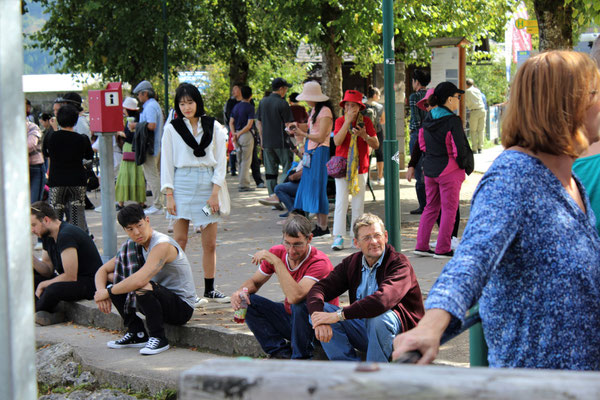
(128, 156)
(336, 167)
(92, 182)
(224, 200)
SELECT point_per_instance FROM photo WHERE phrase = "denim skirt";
(192, 188)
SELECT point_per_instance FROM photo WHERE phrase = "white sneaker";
(200, 302)
(433, 243)
(153, 210)
(98, 209)
(454, 243)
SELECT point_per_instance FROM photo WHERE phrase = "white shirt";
(175, 153)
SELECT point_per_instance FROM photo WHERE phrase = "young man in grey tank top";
(157, 281)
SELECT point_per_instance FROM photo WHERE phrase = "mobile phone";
(207, 210)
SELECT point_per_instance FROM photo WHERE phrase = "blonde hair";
(366, 219)
(548, 100)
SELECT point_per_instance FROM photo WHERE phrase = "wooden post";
(274, 379)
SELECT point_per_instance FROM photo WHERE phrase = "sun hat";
(355, 97)
(130, 103)
(421, 103)
(279, 82)
(312, 92)
(142, 86)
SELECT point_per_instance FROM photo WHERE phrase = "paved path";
(252, 227)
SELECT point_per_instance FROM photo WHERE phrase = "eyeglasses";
(457, 96)
(297, 245)
(366, 239)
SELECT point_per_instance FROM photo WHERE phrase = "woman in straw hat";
(312, 192)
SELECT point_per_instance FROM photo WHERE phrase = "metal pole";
(17, 347)
(165, 60)
(390, 144)
(107, 195)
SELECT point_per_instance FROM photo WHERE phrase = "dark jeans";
(159, 305)
(419, 179)
(233, 162)
(273, 327)
(83, 288)
(286, 192)
(37, 180)
(255, 165)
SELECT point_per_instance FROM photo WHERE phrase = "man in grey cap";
(153, 116)
(274, 115)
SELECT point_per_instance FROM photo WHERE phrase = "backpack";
(371, 112)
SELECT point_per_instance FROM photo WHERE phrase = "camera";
(207, 210)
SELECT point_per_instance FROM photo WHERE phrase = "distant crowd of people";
(529, 255)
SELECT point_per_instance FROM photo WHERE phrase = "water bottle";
(239, 315)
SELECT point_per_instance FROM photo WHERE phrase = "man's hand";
(410, 173)
(265, 255)
(323, 318)
(236, 300)
(40, 289)
(101, 294)
(104, 306)
(323, 333)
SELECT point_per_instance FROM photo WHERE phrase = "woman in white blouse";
(193, 164)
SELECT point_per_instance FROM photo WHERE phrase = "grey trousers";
(245, 147)
(273, 158)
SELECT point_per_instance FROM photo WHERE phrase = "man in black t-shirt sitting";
(69, 262)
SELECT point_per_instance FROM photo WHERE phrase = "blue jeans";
(37, 180)
(273, 327)
(286, 192)
(419, 179)
(375, 336)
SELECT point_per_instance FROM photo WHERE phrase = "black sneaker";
(318, 231)
(138, 339)
(449, 254)
(217, 296)
(424, 253)
(154, 346)
(417, 211)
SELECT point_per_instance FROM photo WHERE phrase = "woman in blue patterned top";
(530, 253)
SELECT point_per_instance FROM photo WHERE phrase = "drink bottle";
(239, 315)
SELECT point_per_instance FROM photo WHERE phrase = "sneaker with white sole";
(454, 243)
(449, 254)
(338, 243)
(154, 346)
(216, 295)
(138, 339)
(200, 302)
(153, 210)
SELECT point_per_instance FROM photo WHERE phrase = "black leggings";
(456, 222)
(159, 305)
(83, 288)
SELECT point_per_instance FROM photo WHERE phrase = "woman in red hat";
(354, 135)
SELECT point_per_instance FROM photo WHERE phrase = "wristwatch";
(340, 314)
(109, 289)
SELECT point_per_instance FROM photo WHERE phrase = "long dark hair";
(191, 91)
(319, 106)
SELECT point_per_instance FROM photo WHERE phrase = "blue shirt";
(587, 170)
(242, 112)
(531, 257)
(152, 113)
(368, 284)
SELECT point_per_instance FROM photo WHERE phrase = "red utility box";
(106, 111)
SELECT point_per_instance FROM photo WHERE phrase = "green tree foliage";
(243, 33)
(418, 22)
(490, 78)
(121, 40)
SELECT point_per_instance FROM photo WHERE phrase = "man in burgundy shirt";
(385, 298)
(283, 329)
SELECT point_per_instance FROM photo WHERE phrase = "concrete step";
(210, 329)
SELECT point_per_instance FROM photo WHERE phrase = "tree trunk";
(238, 64)
(238, 68)
(332, 77)
(555, 23)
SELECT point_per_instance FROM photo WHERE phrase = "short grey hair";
(470, 82)
(595, 52)
(367, 219)
(297, 224)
